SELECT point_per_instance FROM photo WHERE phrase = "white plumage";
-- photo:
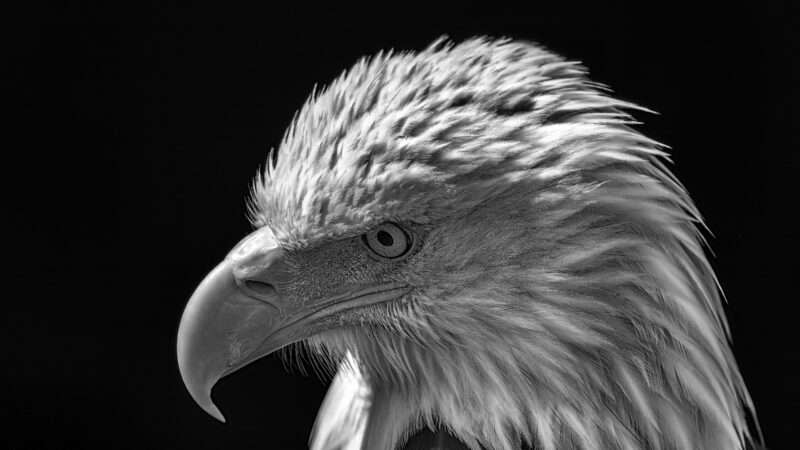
(560, 295)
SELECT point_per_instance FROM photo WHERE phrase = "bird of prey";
(476, 240)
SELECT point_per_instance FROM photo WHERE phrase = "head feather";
(563, 297)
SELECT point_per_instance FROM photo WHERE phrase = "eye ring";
(388, 240)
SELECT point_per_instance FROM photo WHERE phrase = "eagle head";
(478, 240)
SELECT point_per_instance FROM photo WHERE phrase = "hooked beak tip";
(200, 390)
(212, 409)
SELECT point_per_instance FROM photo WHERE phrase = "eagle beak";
(232, 318)
(238, 314)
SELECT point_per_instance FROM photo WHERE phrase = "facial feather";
(562, 297)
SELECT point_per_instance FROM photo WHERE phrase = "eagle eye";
(387, 240)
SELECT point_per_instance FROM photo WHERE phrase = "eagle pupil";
(385, 238)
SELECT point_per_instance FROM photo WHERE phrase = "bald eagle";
(475, 240)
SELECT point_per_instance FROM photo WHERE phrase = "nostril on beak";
(259, 289)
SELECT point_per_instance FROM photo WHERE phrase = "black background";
(135, 133)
